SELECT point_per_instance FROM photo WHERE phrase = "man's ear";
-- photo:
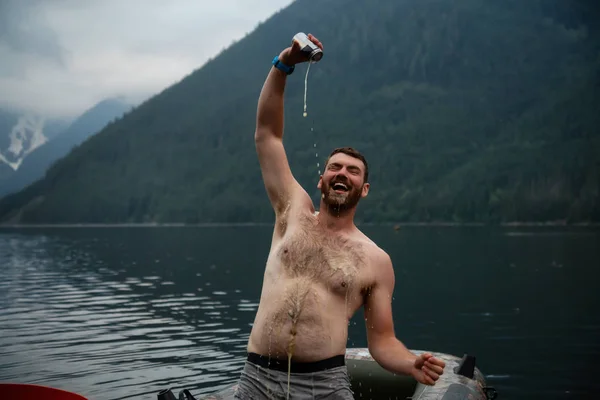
(320, 182)
(365, 190)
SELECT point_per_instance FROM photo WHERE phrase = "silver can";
(312, 51)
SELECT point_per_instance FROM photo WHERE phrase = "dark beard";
(340, 203)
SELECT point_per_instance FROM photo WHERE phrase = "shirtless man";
(320, 270)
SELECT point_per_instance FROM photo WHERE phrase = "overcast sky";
(60, 57)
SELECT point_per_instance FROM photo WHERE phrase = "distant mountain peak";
(30, 144)
(25, 136)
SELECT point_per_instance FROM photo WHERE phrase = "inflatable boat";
(461, 380)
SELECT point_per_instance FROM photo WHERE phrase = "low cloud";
(60, 57)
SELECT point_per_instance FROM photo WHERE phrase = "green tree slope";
(468, 111)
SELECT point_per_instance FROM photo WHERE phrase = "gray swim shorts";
(262, 378)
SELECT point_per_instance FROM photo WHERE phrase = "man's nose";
(342, 174)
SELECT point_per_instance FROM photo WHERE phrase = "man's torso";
(314, 282)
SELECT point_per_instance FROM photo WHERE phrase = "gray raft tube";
(461, 380)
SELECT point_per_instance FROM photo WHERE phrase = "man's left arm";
(386, 349)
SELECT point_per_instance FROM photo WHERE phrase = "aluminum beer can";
(312, 51)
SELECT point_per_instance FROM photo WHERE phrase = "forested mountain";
(467, 110)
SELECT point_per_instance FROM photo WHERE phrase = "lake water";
(119, 313)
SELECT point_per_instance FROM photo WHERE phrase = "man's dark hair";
(352, 153)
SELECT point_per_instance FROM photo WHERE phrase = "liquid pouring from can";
(314, 54)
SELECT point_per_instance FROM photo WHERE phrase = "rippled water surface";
(115, 313)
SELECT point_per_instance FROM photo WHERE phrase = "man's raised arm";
(277, 176)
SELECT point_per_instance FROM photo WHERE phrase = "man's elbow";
(375, 353)
(262, 134)
(259, 135)
(377, 346)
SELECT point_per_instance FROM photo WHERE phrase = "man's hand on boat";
(427, 369)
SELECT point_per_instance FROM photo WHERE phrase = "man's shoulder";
(375, 253)
(381, 265)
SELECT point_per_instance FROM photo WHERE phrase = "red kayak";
(22, 391)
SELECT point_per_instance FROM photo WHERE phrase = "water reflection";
(123, 313)
(70, 321)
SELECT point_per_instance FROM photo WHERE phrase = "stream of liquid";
(306, 87)
(316, 154)
(305, 114)
(288, 377)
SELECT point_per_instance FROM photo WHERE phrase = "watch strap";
(282, 67)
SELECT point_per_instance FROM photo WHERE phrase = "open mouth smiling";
(339, 187)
